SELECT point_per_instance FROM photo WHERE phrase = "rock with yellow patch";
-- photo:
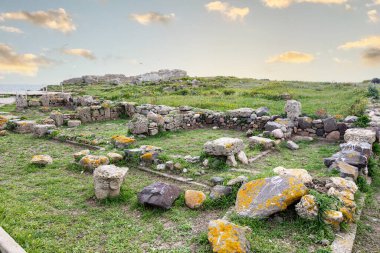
(25, 126)
(3, 132)
(333, 218)
(341, 184)
(108, 180)
(3, 122)
(194, 199)
(121, 141)
(41, 160)
(307, 208)
(260, 141)
(345, 169)
(225, 146)
(226, 237)
(114, 157)
(78, 155)
(264, 197)
(90, 162)
(301, 174)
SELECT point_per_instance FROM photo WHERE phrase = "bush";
(215, 163)
(373, 92)
(325, 203)
(358, 107)
(362, 121)
(228, 92)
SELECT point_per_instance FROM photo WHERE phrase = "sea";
(20, 87)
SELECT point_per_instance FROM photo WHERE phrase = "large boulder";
(159, 195)
(293, 109)
(108, 180)
(360, 135)
(264, 197)
(139, 124)
(227, 237)
(225, 146)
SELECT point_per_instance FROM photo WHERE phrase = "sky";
(45, 41)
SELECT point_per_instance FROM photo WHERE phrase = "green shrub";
(10, 126)
(325, 203)
(376, 148)
(358, 107)
(363, 185)
(373, 92)
(362, 121)
(215, 163)
(228, 92)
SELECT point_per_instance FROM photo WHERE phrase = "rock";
(41, 160)
(271, 125)
(300, 174)
(320, 132)
(293, 109)
(307, 208)
(305, 122)
(42, 130)
(57, 117)
(3, 122)
(297, 138)
(73, 123)
(264, 142)
(278, 134)
(351, 119)
(363, 148)
(219, 191)
(225, 146)
(192, 159)
(241, 112)
(114, 157)
(25, 126)
(3, 132)
(194, 199)
(159, 195)
(80, 154)
(333, 136)
(169, 165)
(121, 141)
(242, 157)
(360, 135)
(231, 161)
(341, 184)
(226, 237)
(91, 162)
(329, 124)
(177, 166)
(237, 180)
(292, 145)
(264, 197)
(217, 180)
(345, 169)
(262, 111)
(138, 124)
(108, 180)
(333, 218)
(353, 158)
(161, 166)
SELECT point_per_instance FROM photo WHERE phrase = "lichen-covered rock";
(345, 169)
(74, 123)
(78, 155)
(360, 135)
(363, 148)
(3, 122)
(194, 199)
(307, 208)
(91, 162)
(305, 122)
(260, 141)
(108, 180)
(114, 157)
(57, 117)
(219, 191)
(341, 184)
(139, 124)
(41, 160)
(226, 237)
(301, 174)
(25, 126)
(264, 197)
(333, 218)
(159, 195)
(225, 146)
(122, 141)
(293, 109)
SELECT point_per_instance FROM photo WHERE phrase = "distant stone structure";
(116, 79)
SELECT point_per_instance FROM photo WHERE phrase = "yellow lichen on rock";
(194, 199)
(3, 121)
(247, 193)
(333, 218)
(123, 139)
(147, 156)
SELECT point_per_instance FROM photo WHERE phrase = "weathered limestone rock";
(231, 161)
(264, 197)
(157, 118)
(114, 157)
(341, 184)
(360, 135)
(42, 130)
(271, 126)
(78, 155)
(91, 162)
(159, 195)
(292, 145)
(57, 117)
(264, 142)
(241, 112)
(41, 160)
(108, 180)
(262, 111)
(21, 102)
(242, 157)
(345, 169)
(224, 146)
(219, 191)
(194, 199)
(74, 123)
(333, 218)
(84, 114)
(293, 109)
(25, 126)
(138, 124)
(301, 174)
(307, 208)
(227, 237)
(363, 148)
(278, 134)
(121, 141)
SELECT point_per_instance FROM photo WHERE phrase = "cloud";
(24, 64)
(291, 57)
(152, 17)
(371, 56)
(231, 12)
(287, 3)
(52, 19)
(340, 61)
(10, 29)
(80, 52)
(373, 17)
(368, 42)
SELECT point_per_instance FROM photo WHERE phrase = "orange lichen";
(247, 193)
(333, 218)
(224, 238)
(3, 120)
(348, 214)
(229, 145)
(123, 139)
(147, 156)
(194, 199)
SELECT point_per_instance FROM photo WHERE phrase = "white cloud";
(373, 16)
(10, 29)
(340, 61)
(367, 42)
(24, 64)
(231, 12)
(152, 17)
(287, 3)
(291, 57)
(80, 52)
(52, 19)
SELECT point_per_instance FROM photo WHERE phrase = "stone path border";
(8, 244)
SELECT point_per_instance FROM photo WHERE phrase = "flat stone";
(219, 191)
(271, 125)
(41, 160)
(225, 146)
(90, 162)
(300, 174)
(264, 142)
(114, 157)
(74, 123)
(159, 195)
(345, 169)
(360, 135)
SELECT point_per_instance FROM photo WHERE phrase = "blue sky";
(44, 41)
